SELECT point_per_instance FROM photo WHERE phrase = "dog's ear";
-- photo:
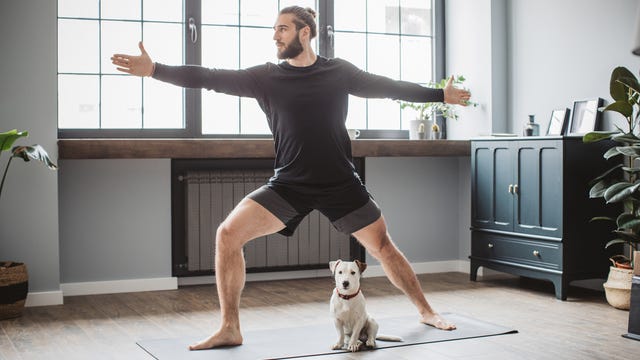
(362, 266)
(333, 264)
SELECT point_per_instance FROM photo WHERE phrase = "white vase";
(414, 126)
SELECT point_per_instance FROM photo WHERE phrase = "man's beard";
(292, 50)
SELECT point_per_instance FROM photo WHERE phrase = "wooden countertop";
(242, 148)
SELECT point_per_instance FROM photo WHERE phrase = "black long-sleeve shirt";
(306, 108)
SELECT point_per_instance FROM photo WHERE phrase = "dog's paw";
(371, 343)
(353, 347)
(336, 346)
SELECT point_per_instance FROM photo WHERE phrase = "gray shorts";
(349, 208)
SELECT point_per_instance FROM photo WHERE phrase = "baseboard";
(44, 298)
(372, 271)
(118, 286)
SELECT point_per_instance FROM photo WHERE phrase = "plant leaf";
(606, 174)
(602, 218)
(598, 189)
(627, 237)
(8, 138)
(621, 106)
(616, 88)
(611, 153)
(597, 136)
(33, 152)
(632, 150)
(627, 138)
(614, 242)
(631, 82)
(620, 191)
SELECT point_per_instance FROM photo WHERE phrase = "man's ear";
(362, 266)
(333, 264)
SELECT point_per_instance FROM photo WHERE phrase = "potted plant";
(13, 275)
(427, 112)
(620, 184)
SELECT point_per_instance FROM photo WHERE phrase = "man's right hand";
(140, 65)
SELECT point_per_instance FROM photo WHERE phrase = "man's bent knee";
(227, 238)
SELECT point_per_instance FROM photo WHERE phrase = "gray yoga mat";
(317, 339)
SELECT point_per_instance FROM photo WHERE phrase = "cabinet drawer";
(514, 250)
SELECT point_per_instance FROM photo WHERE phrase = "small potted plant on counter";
(426, 113)
(13, 275)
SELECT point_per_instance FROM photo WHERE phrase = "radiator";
(210, 197)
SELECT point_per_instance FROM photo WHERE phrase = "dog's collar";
(347, 297)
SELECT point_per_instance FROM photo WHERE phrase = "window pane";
(258, 12)
(220, 47)
(121, 9)
(78, 8)
(383, 55)
(163, 42)
(351, 47)
(416, 17)
(163, 107)
(121, 102)
(416, 59)
(220, 12)
(78, 50)
(220, 113)
(254, 121)
(78, 101)
(357, 115)
(256, 47)
(118, 37)
(383, 16)
(350, 15)
(303, 3)
(384, 114)
(162, 10)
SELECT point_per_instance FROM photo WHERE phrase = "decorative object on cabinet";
(619, 184)
(530, 209)
(13, 276)
(429, 112)
(558, 122)
(585, 116)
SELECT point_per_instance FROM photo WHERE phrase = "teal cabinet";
(530, 209)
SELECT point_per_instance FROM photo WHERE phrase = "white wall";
(29, 204)
(561, 51)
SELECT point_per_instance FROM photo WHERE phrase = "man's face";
(287, 37)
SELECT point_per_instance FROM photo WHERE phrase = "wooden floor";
(107, 326)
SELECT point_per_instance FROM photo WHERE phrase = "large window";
(395, 38)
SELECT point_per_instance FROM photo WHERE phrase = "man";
(305, 99)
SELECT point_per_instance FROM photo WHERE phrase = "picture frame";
(558, 122)
(585, 116)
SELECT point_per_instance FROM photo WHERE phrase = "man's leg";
(249, 220)
(376, 240)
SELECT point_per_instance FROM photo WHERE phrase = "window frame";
(192, 98)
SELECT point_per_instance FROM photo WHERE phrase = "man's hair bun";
(311, 11)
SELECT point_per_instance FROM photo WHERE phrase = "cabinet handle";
(515, 188)
(490, 246)
(536, 253)
(510, 188)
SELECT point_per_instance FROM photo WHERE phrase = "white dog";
(353, 323)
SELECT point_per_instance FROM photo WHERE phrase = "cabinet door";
(538, 199)
(492, 174)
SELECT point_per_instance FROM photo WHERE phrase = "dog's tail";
(384, 337)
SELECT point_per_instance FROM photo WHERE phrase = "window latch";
(193, 29)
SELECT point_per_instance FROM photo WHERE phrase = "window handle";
(330, 35)
(193, 29)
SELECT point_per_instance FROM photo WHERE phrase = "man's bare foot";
(223, 337)
(437, 321)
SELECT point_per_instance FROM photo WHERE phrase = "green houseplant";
(13, 275)
(621, 184)
(427, 112)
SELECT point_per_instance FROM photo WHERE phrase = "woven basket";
(617, 289)
(14, 285)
